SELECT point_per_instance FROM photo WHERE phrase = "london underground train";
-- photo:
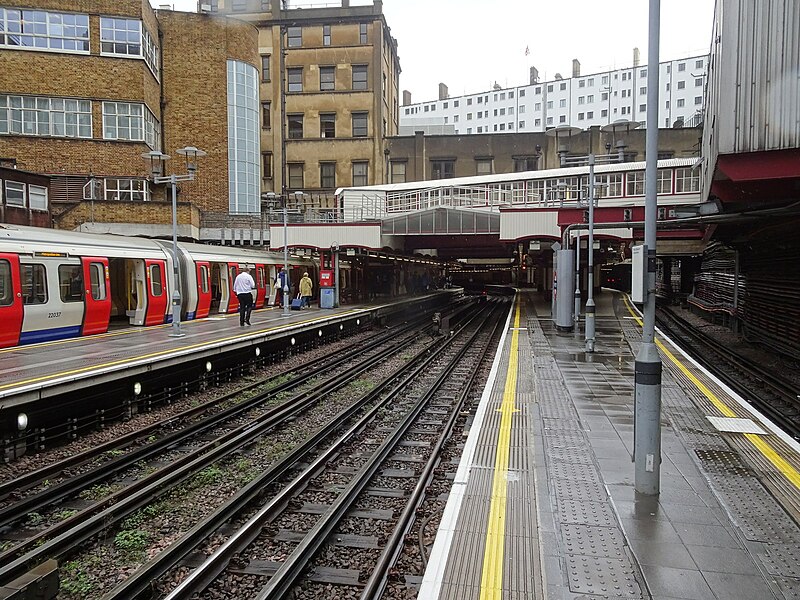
(60, 284)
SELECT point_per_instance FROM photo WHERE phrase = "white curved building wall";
(244, 139)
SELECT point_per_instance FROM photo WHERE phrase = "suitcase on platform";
(297, 304)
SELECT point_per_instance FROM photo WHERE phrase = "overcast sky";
(471, 44)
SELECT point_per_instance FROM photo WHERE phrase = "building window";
(642, 107)
(562, 87)
(635, 181)
(582, 83)
(698, 82)
(295, 79)
(362, 33)
(537, 90)
(680, 102)
(327, 175)
(266, 165)
(562, 103)
(698, 99)
(562, 119)
(360, 170)
(57, 117)
(266, 115)
(549, 120)
(244, 147)
(327, 125)
(483, 166)
(126, 190)
(239, 5)
(687, 180)
(537, 122)
(326, 35)
(360, 121)
(265, 72)
(37, 197)
(469, 101)
(698, 64)
(604, 80)
(132, 122)
(359, 77)
(40, 30)
(398, 171)
(609, 186)
(642, 91)
(455, 103)
(664, 182)
(581, 99)
(681, 85)
(127, 37)
(15, 194)
(603, 113)
(327, 78)
(643, 73)
(549, 104)
(580, 116)
(525, 163)
(295, 176)
(295, 123)
(681, 66)
(443, 169)
(294, 36)
(590, 114)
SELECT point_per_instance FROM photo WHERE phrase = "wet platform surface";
(571, 524)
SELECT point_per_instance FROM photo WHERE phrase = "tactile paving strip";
(587, 513)
(587, 540)
(603, 577)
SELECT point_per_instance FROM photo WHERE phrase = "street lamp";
(272, 197)
(157, 160)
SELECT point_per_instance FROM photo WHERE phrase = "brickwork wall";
(196, 50)
(146, 213)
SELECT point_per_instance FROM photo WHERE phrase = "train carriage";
(59, 284)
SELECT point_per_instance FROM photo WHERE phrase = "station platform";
(32, 373)
(543, 503)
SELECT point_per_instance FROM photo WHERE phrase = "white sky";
(471, 44)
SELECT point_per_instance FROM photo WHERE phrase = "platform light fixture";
(157, 160)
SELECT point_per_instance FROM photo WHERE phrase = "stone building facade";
(329, 95)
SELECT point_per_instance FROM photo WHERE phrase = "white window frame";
(125, 42)
(18, 187)
(133, 117)
(29, 31)
(39, 115)
(37, 197)
(139, 190)
(687, 180)
(634, 183)
(664, 182)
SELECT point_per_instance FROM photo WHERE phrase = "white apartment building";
(580, 101)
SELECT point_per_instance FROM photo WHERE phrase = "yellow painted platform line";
(156, 354)
(492, 574)
(761, 445)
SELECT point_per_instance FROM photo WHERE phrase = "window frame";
(42, 193)
(266, 165)
(294, 36)
(70, 282)
(266, 114)
(42, 116)
(37, 286)
(266, 68)
(293, 177)
(6, 283)
(152, 270)
(326, 35)
(292, 120)
(14, 27)
(358, 128)
(327, 174)
(395, 171)
(133, 193)
(356, 82)
(327, 119)
(294, 87)
(22, 190)
(362, 33)
(328, 82)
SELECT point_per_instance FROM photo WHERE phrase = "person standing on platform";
(243, 287)
(280, 280)
(306, 286)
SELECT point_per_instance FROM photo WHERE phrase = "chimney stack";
(406, 97)
(534, 75)
(576, 67)
(443, 93)
(636, 57)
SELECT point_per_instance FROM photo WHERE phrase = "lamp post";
(157, 160)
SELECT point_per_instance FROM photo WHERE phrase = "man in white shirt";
(243, 287)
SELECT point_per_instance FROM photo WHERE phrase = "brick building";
(88, 87)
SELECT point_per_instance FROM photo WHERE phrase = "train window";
(261, 277)
(34, 284)
(204, 279)
(6, 285)
(96, 272)
(156, 280)
(233, 273)
(70, 283)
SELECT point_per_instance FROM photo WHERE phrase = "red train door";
(203, 290)
(97, 299)
(10, 300)
(261, 285)
(233, 301)
(157, 297)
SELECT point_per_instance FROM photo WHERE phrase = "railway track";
(768, 392)
(110, 511)
(359, 482)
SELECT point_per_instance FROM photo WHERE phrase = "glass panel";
(34, 287)
(97, 281)
(6, 284)
(156, 281)
(70, 283)
(204, 279)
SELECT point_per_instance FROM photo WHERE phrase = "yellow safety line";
(153, 354)
(761, 445)
(492, 575)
